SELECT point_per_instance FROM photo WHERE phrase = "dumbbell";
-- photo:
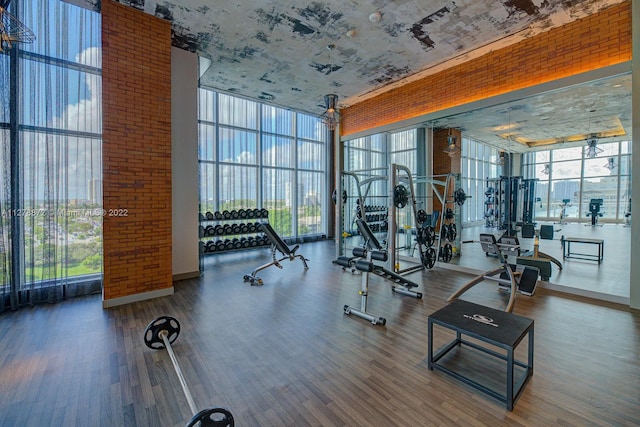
(220, 246)
(264, 213)
(226, 214)
(159, 334)
(244, 228)
(210, 247)
(234, 214)
(236, 228)
(218, 215)
(228, 244)
(237, 244)
(209, 230)
(209, 215)
(219, 230)
(228, 229)
(243, 213)
(251, 213)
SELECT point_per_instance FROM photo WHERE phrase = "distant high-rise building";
(94, 190)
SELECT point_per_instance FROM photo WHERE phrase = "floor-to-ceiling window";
(50, 156)
(569, 180)
(254, 155)
(479, 163)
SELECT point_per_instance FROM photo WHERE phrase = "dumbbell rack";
(376, 217)
(232, 230)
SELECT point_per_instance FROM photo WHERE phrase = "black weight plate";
(431, 235)
(209, 215)
(234, 214)
(152, 336)
(212, 417)
(256, 213)
(250, 213)
(400, 196)
(235, 228)
(219, 229)
(211, 246)
(226, 214)
(244, 228)
(218, 215)
(264, 213)
(421, 216)
(228, 244)
(220, 246)
(446, 252)
(429, 258)
(242, 213)
(228, 229)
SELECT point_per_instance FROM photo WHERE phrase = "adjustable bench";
(276, 244)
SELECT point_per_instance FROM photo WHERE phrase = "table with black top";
(495, 328)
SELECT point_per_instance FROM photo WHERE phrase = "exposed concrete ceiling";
(291, 53)
(562, 118)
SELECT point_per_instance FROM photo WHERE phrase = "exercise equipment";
(508, 276)
(161, 333)
(595, 206)
(277, 244)
(362, 261)
(400, 196)
(563, 211)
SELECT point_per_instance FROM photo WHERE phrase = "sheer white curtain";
(52, 217)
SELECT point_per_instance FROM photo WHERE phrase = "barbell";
(160, 333)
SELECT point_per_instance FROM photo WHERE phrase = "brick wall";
(443, 163)
(590, 43)
(136, 87)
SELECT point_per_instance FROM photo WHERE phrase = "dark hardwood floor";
(284, 354)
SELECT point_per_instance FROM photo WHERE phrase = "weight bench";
(277, 244)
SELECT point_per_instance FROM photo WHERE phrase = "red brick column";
(136, 87)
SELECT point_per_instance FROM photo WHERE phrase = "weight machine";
(507, 276)
(402, 192)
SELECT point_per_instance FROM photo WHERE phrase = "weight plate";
(459, 196)
(226, 214)
(234, 214)
(250, 213)
(429, 258)
(446, 252)
(213, 417)
(242, 213)
(421, 216)
(218, 215)
(209, 215)
(264, 213)
(220, 245)
(256, 213)
(400, 196)
(152, 337)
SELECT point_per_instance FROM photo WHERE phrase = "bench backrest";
(366, 232)
(274, 238)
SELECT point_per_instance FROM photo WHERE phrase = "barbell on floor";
(160, 333)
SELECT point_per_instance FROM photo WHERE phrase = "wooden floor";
(284, 354)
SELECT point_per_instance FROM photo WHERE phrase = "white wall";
(184, 163)
(634, 280)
